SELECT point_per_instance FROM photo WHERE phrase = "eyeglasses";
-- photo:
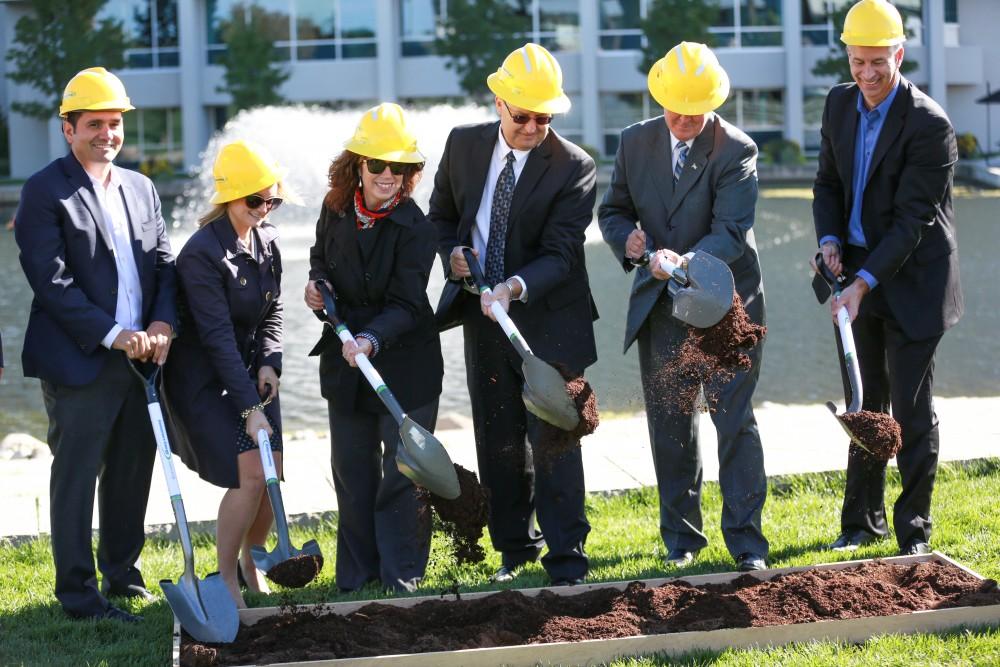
(376, 167)
(523, 118)
(256, 201)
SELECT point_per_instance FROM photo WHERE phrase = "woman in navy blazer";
(222, 379)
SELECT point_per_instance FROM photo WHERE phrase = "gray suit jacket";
(710, 209)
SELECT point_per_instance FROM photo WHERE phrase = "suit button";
(368, 277)
(364, 303)
(267, 295)
(243, 281)
(114, 291)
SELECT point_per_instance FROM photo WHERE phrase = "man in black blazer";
(883, 214)
(687, 181)
(521, 196)
(95, 252)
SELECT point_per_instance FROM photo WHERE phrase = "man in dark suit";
(94, 250)
(521, 196)
(683, 182)
(883, 214)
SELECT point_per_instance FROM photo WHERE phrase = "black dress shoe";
(129, 591)
(680, 557)
(504, 574)
(750, 562)
(851, 541)
(112, 613)
(568, 581)
(915, 548)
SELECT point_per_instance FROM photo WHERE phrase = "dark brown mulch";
(509, 618)
(463, 518)
(710, 357)
(297, 571)
(877, 431)
(553, 441)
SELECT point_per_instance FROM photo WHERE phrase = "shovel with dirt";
(285, 564)
(701, 288)
(876, 433)
(204, 607)
(421, 456)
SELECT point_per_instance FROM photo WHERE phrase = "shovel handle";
(501, 316)
(675, 271)
(273, 490)
(850, 358)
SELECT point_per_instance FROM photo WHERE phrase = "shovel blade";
(850, 434)
(545, 394)
(204, 608)
(708, 296)
(424, 460)
(264, 560)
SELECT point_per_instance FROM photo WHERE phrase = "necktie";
(681, 158)
(499, 211)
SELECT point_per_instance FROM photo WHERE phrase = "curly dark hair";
(345, 175)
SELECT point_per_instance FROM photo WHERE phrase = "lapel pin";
(694, 166)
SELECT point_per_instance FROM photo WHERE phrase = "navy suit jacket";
(66, 257)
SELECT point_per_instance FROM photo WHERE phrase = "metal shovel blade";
(424, 460)
(545, 394)
(850, 434)
(708, 295)
(204, 608)
(266, 560)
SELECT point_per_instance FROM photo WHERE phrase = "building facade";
(359, 52)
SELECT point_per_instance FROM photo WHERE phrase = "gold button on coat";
(243, 281)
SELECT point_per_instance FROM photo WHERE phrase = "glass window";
(150, 28)
(951, 11)
(618, 111)
(153, 140)
(559, 24)
(418, 21)
(315, 19)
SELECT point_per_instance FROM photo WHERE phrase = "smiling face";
(379, 188)
(244, 218)
(876, 70)
(685, 128)
(96, 138)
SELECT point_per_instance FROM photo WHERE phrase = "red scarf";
(366, 219)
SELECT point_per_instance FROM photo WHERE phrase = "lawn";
(800, 517)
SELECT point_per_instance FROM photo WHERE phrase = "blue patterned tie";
(681, 158)
(499, 212)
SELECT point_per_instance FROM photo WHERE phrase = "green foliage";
(476, 37)
(781, 151)
(835, 64)
(670, 22)
(253, 75)
(156, 168)
(968, 146)
(57, 40)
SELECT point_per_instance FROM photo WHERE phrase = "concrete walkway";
(797, 438)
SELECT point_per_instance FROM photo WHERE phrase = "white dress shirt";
(128, 310)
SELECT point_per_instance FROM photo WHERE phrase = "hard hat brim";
(864, 40)
(407, 156)
(560, 104)
(688, 107)
(232, 194)
(123, 106)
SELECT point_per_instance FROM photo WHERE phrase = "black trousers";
(896, 372)
(521, 493)
(100, 431)
(383, 531)
(673, 434)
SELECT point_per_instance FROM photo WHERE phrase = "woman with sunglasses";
(375, 249)
(222, 376)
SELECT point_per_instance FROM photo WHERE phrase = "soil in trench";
(510, 618)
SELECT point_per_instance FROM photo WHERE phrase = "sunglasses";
(522, 118)
(376, 167)
(256, 201)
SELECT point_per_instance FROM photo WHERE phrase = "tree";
(57, 40)
(252, 75)
(477, 35)
(836, 63)
(670, 22)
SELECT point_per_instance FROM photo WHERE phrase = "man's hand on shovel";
(670, 256)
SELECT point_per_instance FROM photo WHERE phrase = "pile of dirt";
(710, 358)
(877, 431)
(464, 518)
(552, 441)
(509, 618)
(297, 571)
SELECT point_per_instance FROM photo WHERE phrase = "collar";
(689, 142)
(223, 228)
(115, 179)
(883, 106)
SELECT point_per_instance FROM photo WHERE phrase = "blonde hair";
(219, 210)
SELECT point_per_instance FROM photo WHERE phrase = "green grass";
(800, 517)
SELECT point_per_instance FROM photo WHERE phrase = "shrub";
(781, 151)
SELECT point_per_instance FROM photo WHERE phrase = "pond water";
(800, 358)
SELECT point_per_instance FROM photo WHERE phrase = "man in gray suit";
(683, 182)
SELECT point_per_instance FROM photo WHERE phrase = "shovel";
(422, 458)
(824, 284)
(204, 607)
(283, 552)
(702, 288)
(544, 391)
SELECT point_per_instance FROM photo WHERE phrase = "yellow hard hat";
(95, 89)
(242, 169)
(688, 80)
(530, 78)
(873, 23)
(382, 134)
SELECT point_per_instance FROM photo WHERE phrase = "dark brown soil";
(877, 431)
(297, 571)
(710, 358)
(464, 518)
(553, 441)
(509, 618)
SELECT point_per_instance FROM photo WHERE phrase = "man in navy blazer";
(95, 252)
